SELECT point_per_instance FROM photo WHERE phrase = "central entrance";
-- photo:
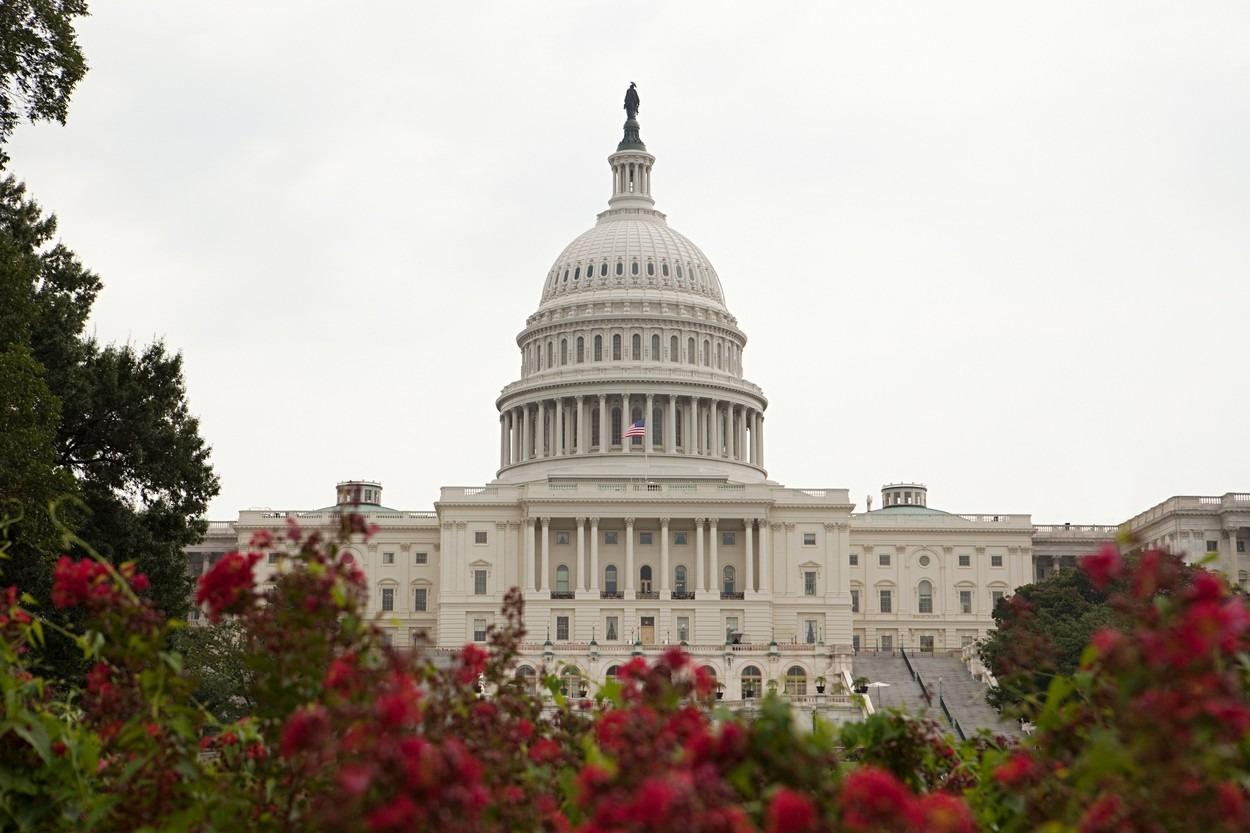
(647, 628)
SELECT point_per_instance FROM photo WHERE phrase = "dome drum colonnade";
(637, 315)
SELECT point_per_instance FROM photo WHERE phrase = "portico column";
(629, 556)
(714, 559)
(530, 586)
(755, 437)
(579, 571)
(580, 425)
(749, 530)
(503, 440)
(558, 445)
(603, 423)
(743, 456)
(541, 442)
(698, 554)
(663, 556)
(594, 555)
(526, 434)
(761, 445)
(545, 578)
(765, 554)
(670, 425)
(648, 442)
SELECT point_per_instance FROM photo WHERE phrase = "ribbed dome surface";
(631, 250)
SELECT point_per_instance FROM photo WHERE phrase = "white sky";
(1000, 248)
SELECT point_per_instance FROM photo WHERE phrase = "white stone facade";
(626, 545)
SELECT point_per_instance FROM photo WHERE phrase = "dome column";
(503, 439)
(716, 429)
(626, 442)
(527, 435)
(743, 455)
(530, 586)
(698, 555)
(670, 425)
(603, 423)
(648, 441)
(580, 424)
(559, 443)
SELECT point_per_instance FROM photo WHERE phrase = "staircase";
(902, 692)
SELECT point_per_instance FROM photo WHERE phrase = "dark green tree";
(216, 658)
(1039, 632)
(124, 441)
(40, 61)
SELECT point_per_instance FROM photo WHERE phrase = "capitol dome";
(632, 363)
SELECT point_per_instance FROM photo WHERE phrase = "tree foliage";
(40, 61)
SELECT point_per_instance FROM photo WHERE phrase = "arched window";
(598, 348)
(925, 594)
(636, 347)
(620, 268)
(594, 427)
(609, 578)
(539, 363)
(635, 414)
(679, 270)
(581, 349)
(526, 677)
(613, 672)
(633, 268)
(562, 579)
(657, 428)
(752, 682)
(679, 578)
(690, 350)
(571, 684)
(616, 347)
(650, 269)
(603, 269)
(664, 269)
(644, 578)
(679, 424)
(710, 673)
(672, 349)
(707, 352)
(616, 426)
(564, 351)
(729, 578)
(551, 353)
(655, 348)
(718, 362)
(566, 275)
(577, 273)
(796, 681)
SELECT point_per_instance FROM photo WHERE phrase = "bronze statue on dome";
(631, 101)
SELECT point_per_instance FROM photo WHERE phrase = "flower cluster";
(229, 587)
(89, 583)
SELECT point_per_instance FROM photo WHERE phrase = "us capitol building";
(678, 535)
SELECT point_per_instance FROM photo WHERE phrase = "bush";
(346, 733)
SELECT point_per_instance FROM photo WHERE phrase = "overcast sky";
(1000, 248)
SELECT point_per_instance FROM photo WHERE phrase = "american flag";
(638, 429)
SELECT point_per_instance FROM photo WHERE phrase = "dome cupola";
(631, 330)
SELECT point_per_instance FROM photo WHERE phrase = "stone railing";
(1091, 531)
(1190, 503)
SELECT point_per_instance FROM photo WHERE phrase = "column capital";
(830, 526)
(461, 524)
(546, 520)
(594, 521)
(629, 522)
(664, 521)
(581, 519)
(531, 521)
(713, 522)
(700, 521)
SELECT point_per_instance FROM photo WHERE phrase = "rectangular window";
(418, 636)
(419, 598)
(855, 642)
(1213, 546)
(727, 539)
(996, 596)
(422, 558)
(679, 538)
(810, 631)
(887, 601)
(479, 630)
(479, 537)
(809, 583)
(883, 559)
(611, 630)
(273, 558)
(609, 537)
(854, 559)
(926, 644)
(644, 539)
(683, 628)
(809, 539)
(966, 640)
(996, 561)
(388, 636)
(854, 601)
(887, 642)
(1241, 546)
(388, 598)
(965, 601)
(731, 627)
(562, 628)
(562, 537)
(965, 560)
(479, 582)
(388, 558)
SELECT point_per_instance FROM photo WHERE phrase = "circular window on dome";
(603, 269)
(924, 560)
(650, 269)
(633, 268)
(664, 269)
(620, 268)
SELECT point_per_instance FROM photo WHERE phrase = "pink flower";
(262, 539)
(304, 729)
(873, 799)
(946, 813)
(676, 658)
(355, 779)
(1103, 566)
(1019, 768)
(398, 813)
(229, 585)
(789, 812)
(79, 582)
(544, 751)
(653, 802)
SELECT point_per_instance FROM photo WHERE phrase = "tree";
(1039, 633)
(216, 659)
(123, 442)
(40, 61)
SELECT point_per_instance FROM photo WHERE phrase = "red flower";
(1107, 641)
(676, 658)
(1103, 815)
(342, 674)
(653, 802)
(588, 779)
(228, 585)
(396, 814)
(544, 751)
(524, 729)
(472, 664)
(355, 779)
(1021, 767)
(873, 799)
(79, 582)
(789, 812)
(262, 539)
(304, 729)
(1103, 566)
(946, 813)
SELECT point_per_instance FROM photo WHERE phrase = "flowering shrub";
(348, 734)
